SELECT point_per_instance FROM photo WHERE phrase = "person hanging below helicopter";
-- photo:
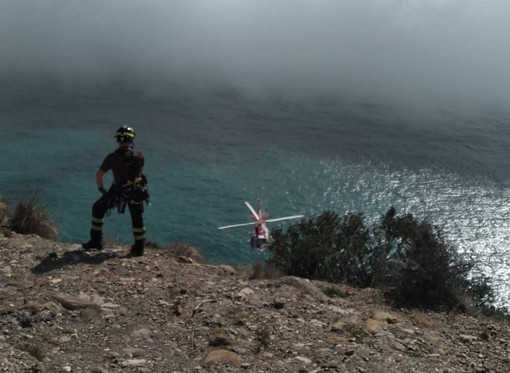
(129, 188)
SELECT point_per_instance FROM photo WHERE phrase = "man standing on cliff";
(129, 188)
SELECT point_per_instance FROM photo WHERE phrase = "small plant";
(153, 245)
(354, 331)
(485, 335)
(495, 313)
(263, 339)
(186, 250)
(34, 351)
(178, 308)
(4, 210)
(4, 218)
(334, 292)
(28, 218)
(265, 271)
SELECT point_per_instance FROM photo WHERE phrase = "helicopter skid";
(260, 243)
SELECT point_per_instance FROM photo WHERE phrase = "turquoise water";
(208, 153)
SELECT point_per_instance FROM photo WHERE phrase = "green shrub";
(408, 258)
(330, 248)
(353, 331)
(420, 267)
(263, 339)
(34, 351)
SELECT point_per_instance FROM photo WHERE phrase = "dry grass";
(4, 218)
(423, 320)
(264, 270)
(28, 218)
(186, 250)
(4, 211)
(334, 292)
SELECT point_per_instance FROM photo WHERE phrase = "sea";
(209, 151)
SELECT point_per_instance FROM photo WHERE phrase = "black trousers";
(107, 202)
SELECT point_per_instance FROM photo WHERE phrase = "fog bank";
(375, 48)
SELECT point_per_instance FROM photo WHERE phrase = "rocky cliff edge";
(64, 310)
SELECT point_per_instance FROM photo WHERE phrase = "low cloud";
(378, 48)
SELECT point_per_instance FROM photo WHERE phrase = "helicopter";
(260, 238)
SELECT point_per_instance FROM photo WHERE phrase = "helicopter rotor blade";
(252, 210)
(235, 225)
(285, 218)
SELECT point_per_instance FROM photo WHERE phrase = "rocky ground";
(63, 310)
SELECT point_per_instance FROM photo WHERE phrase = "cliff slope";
(63, 310)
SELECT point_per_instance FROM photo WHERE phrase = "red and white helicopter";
(260, 237)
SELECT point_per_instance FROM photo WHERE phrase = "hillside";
(102, 312)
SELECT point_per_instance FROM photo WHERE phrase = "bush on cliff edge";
(409, 259)
(329, 248)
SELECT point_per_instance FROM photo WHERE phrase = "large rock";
(223, 357)
(72, 302)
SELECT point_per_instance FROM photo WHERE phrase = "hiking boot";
(97, 245)
(136, 250)
(95, 242)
